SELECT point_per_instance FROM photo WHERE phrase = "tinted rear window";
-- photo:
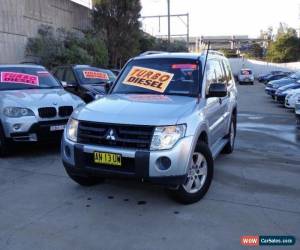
(245, 72)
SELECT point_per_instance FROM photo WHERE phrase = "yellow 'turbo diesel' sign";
(148, 78)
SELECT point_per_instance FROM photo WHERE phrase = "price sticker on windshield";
(148, 79)
(19, 78)
(95, 75)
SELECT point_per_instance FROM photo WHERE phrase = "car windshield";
(18, 78)
(91, 75)
(246, 72)
(160, 76)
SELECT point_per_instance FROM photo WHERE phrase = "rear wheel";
(85, 180)
(200, 174)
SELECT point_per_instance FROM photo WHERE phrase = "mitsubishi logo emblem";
(111, 135)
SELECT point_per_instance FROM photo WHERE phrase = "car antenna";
(204, 68)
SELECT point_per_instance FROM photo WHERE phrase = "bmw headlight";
(72, 129)
(17, 112)
(166, 137)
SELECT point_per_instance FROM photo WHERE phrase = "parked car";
(89, 83)
(34, 106)
(292, 98)
(283, 91)
(246, 76)
(160, 122)
(272, 86)
(273, 75)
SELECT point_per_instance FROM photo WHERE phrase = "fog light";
(163, 163)
(16, 126)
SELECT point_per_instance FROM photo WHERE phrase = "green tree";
(57, 47)
(255, 51)
(118, 22)
(286, 48)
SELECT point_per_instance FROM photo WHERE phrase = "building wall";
(20, 19)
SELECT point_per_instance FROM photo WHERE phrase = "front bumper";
(280, 98)
(270, 91)
(78, 159)
(29, 129)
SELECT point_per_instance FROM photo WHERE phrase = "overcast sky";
(223, 17)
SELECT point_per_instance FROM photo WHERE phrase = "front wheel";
(199, 177)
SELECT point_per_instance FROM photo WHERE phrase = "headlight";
(17, 112)
(71, 130)
(288, 96)
(167, 137)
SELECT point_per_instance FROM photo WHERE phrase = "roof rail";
(213, 52)
(147, 53)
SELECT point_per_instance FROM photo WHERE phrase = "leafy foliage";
(118, 21)
(57, 47)
(286, 47)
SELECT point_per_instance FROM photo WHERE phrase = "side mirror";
(217, 90)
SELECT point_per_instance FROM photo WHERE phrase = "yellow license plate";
(107, 159)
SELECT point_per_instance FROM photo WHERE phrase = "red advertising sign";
(14, 77)
(95, 75)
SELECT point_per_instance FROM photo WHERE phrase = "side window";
(221, 76)
(70, 77)
(229, 78)
(59, 74)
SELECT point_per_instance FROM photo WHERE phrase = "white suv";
(165, 119)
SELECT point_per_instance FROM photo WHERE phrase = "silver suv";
(33, 105)
(165, 119)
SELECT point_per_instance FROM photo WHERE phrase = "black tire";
(4, 144)
(85, 180)
(229, 147)
(181, 195)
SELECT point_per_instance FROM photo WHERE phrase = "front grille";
(47, 112)
(115, 135)
(65, 111)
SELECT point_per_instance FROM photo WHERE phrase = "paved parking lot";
(256, 191)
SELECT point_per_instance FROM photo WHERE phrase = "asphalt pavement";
(256, 191)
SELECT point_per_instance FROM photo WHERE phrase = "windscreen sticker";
(14, 77)
(245, 72)
(95, 75)
(148, 79)
(184, 66)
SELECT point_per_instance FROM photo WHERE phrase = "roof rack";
(147, 53)
(213, 52)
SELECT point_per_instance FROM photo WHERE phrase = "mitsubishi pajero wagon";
(165, 119)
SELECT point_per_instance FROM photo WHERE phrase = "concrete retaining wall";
(20, 19)
(261, 67)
